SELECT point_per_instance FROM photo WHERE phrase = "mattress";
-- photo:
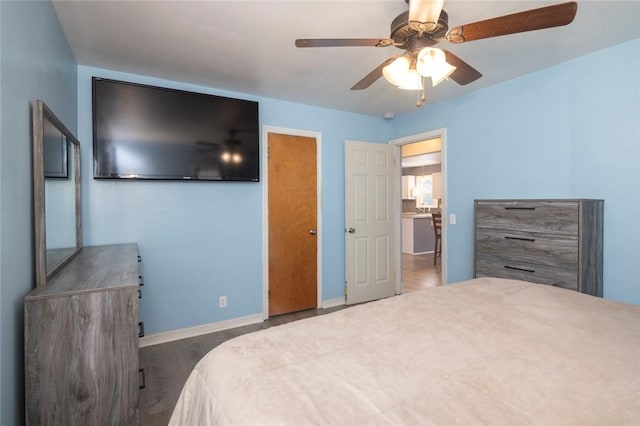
(484, 351)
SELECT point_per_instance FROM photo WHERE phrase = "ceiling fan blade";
(464, 73)
(529, 20)
(343, 42)
(373, 76)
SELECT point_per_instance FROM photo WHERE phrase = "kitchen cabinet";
(437, 186)
(417, 234)
(408, 187)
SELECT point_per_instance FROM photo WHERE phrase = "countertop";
(416, 215)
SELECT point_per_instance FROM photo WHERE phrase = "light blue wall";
(571, 131)
(1, 222)
(36, 64)
(1, 178)
(201, 240)
(60, 203)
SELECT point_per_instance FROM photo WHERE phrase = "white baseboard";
(170, 336)
(331, 303)
(199, 330)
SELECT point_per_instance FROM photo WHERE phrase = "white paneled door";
(370, 221)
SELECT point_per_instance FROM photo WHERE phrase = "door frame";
(265, 209)
(431, 134)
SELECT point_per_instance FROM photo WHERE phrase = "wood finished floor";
(168, 365)
(418, 272)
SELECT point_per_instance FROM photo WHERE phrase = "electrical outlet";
(452, 219)
(223, 302)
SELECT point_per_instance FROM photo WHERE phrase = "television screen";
(56, 164)
(146, 132)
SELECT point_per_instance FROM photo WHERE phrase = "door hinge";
(345, 288)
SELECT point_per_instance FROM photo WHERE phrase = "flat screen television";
(147, 132)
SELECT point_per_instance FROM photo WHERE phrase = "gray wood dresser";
(555, 242)
(81, 341)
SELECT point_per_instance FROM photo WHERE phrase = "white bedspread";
(485, 351)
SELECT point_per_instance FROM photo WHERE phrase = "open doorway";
(422, 202)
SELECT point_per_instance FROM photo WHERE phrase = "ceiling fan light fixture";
(430, 59)
(396, 72)
(441, 73)
(412, 81)
(432, 62)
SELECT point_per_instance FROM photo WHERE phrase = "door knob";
(313, 232)
(351, 230)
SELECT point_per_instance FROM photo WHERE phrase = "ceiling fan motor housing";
(407, 38)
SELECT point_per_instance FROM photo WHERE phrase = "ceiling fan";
(426, 24)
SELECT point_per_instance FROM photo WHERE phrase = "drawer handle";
(142, 379)
(519, 208)
(141, 329)
(519, 269)
(520, 239)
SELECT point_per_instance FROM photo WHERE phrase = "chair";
(436, 218)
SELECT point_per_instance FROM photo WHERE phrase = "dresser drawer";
(560, 251)
(487, 266)
(557, 217)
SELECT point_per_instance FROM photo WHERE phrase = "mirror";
(56, 191)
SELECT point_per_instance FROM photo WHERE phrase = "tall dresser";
(555, 242)
(81, 341)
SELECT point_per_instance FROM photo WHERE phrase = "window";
(424, 192)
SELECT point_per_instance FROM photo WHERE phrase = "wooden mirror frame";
(41, 112)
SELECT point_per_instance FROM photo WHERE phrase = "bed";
(484, 351)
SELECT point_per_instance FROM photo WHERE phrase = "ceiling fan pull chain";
(423, 97)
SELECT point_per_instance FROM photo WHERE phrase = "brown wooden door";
(292, 223)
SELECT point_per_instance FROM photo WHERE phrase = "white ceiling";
(248, 46)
